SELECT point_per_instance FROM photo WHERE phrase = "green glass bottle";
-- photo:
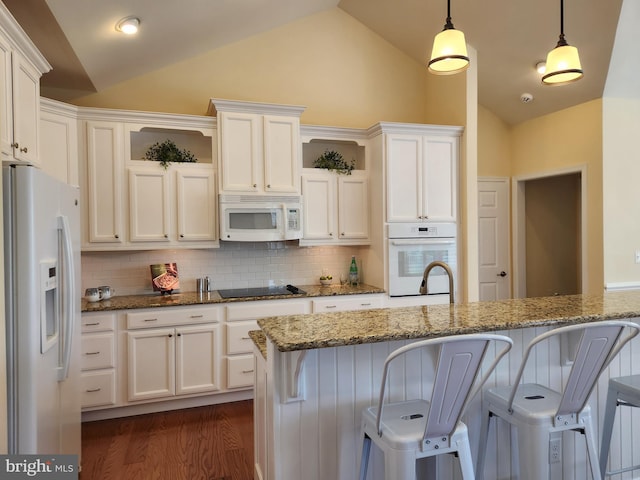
(353, 272)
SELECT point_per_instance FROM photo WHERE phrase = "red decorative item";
(164, 277)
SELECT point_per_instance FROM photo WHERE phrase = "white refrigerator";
(42, 311)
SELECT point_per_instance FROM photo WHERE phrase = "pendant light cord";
(448, 25)
(561, 41)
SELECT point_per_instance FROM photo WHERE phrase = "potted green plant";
(167, 152)
(332, 160)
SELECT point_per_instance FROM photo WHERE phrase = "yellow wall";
(494, 145)
(621, 190)
(568, 138)
(344, 73)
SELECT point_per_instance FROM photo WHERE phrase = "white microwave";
(260, 218)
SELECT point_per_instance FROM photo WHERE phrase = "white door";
(353, 207)
(197, 359)
(196, 205)
(493, 233)
(151, 369)
(149, 197)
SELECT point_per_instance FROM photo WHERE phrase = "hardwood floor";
(204, 443)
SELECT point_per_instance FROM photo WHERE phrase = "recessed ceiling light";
(128, 25)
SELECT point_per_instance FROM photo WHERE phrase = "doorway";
(549, 233)
(493, 239)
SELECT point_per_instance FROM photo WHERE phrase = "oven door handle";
(423, 241)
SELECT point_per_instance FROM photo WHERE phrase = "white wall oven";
(413, 246)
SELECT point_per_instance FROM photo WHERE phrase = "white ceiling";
(510, 36)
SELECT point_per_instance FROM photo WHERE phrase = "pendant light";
(563, 62)
(449, 53)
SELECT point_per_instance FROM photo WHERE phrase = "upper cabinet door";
(353, 207)
(439, 179)
(319, 206)
(240, 151)
(105, 168)
(196, 205)
(404, 177)
(281, 154)
(6, 97)
(26, 110)
(149, 217)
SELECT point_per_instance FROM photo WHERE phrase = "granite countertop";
(127, 302)
(260, 340)
(321, 330)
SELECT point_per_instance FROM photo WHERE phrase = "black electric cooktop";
(260, 291)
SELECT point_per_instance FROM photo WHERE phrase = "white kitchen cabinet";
(422, 174)
(259, 147)
(149, 202)
(98, 360)
(21, 66)
(241, 318)
(173, 361)
(347, 302)
(181, 357)
(336, 208)
(136, 204)
(59, 140)
(104, 177)
(172, 206)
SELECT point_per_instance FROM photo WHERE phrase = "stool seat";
(622, 391)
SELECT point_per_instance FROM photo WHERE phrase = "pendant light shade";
(563, 62)
(449, 53)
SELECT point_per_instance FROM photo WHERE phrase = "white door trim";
(519, 237)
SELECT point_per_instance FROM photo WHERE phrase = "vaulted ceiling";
(78, 39)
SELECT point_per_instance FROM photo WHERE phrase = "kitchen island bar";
(321, 370)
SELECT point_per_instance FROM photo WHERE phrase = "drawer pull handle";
(93, 390)
(196, 316)
(91, 324)
(245, 338)
(150, 319)
(365, 304)
(93, 353)
(331, 306)
(247, 371)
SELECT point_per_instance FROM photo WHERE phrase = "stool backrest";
(599, 343)
(458, 364)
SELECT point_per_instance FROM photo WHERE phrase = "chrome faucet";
(424, 289)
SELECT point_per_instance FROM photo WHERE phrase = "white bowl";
(326, 282)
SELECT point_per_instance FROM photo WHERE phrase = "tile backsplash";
(233, 265)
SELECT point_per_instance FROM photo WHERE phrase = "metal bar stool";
(410, 430)
(622, 391)
(541, 414)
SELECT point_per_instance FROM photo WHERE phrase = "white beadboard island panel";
(317, 437)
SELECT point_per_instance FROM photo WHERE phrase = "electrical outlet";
(555, 450)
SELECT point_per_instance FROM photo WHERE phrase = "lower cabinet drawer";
(240, 371)
(98, 388)
(238, 340)
(98, 351)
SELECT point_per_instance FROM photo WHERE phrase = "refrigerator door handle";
(68, 289)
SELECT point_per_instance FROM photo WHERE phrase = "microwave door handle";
(285, 223)
(423, 241)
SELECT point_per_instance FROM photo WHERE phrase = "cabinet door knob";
(182, 235)
(14, 145)
(342, 234)
(117, 236)
(170, 335)
(178, 334)
(24, 150)
(166, 235)
(502, 274)
(268, 186)
(255, 185)
(331, 234)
